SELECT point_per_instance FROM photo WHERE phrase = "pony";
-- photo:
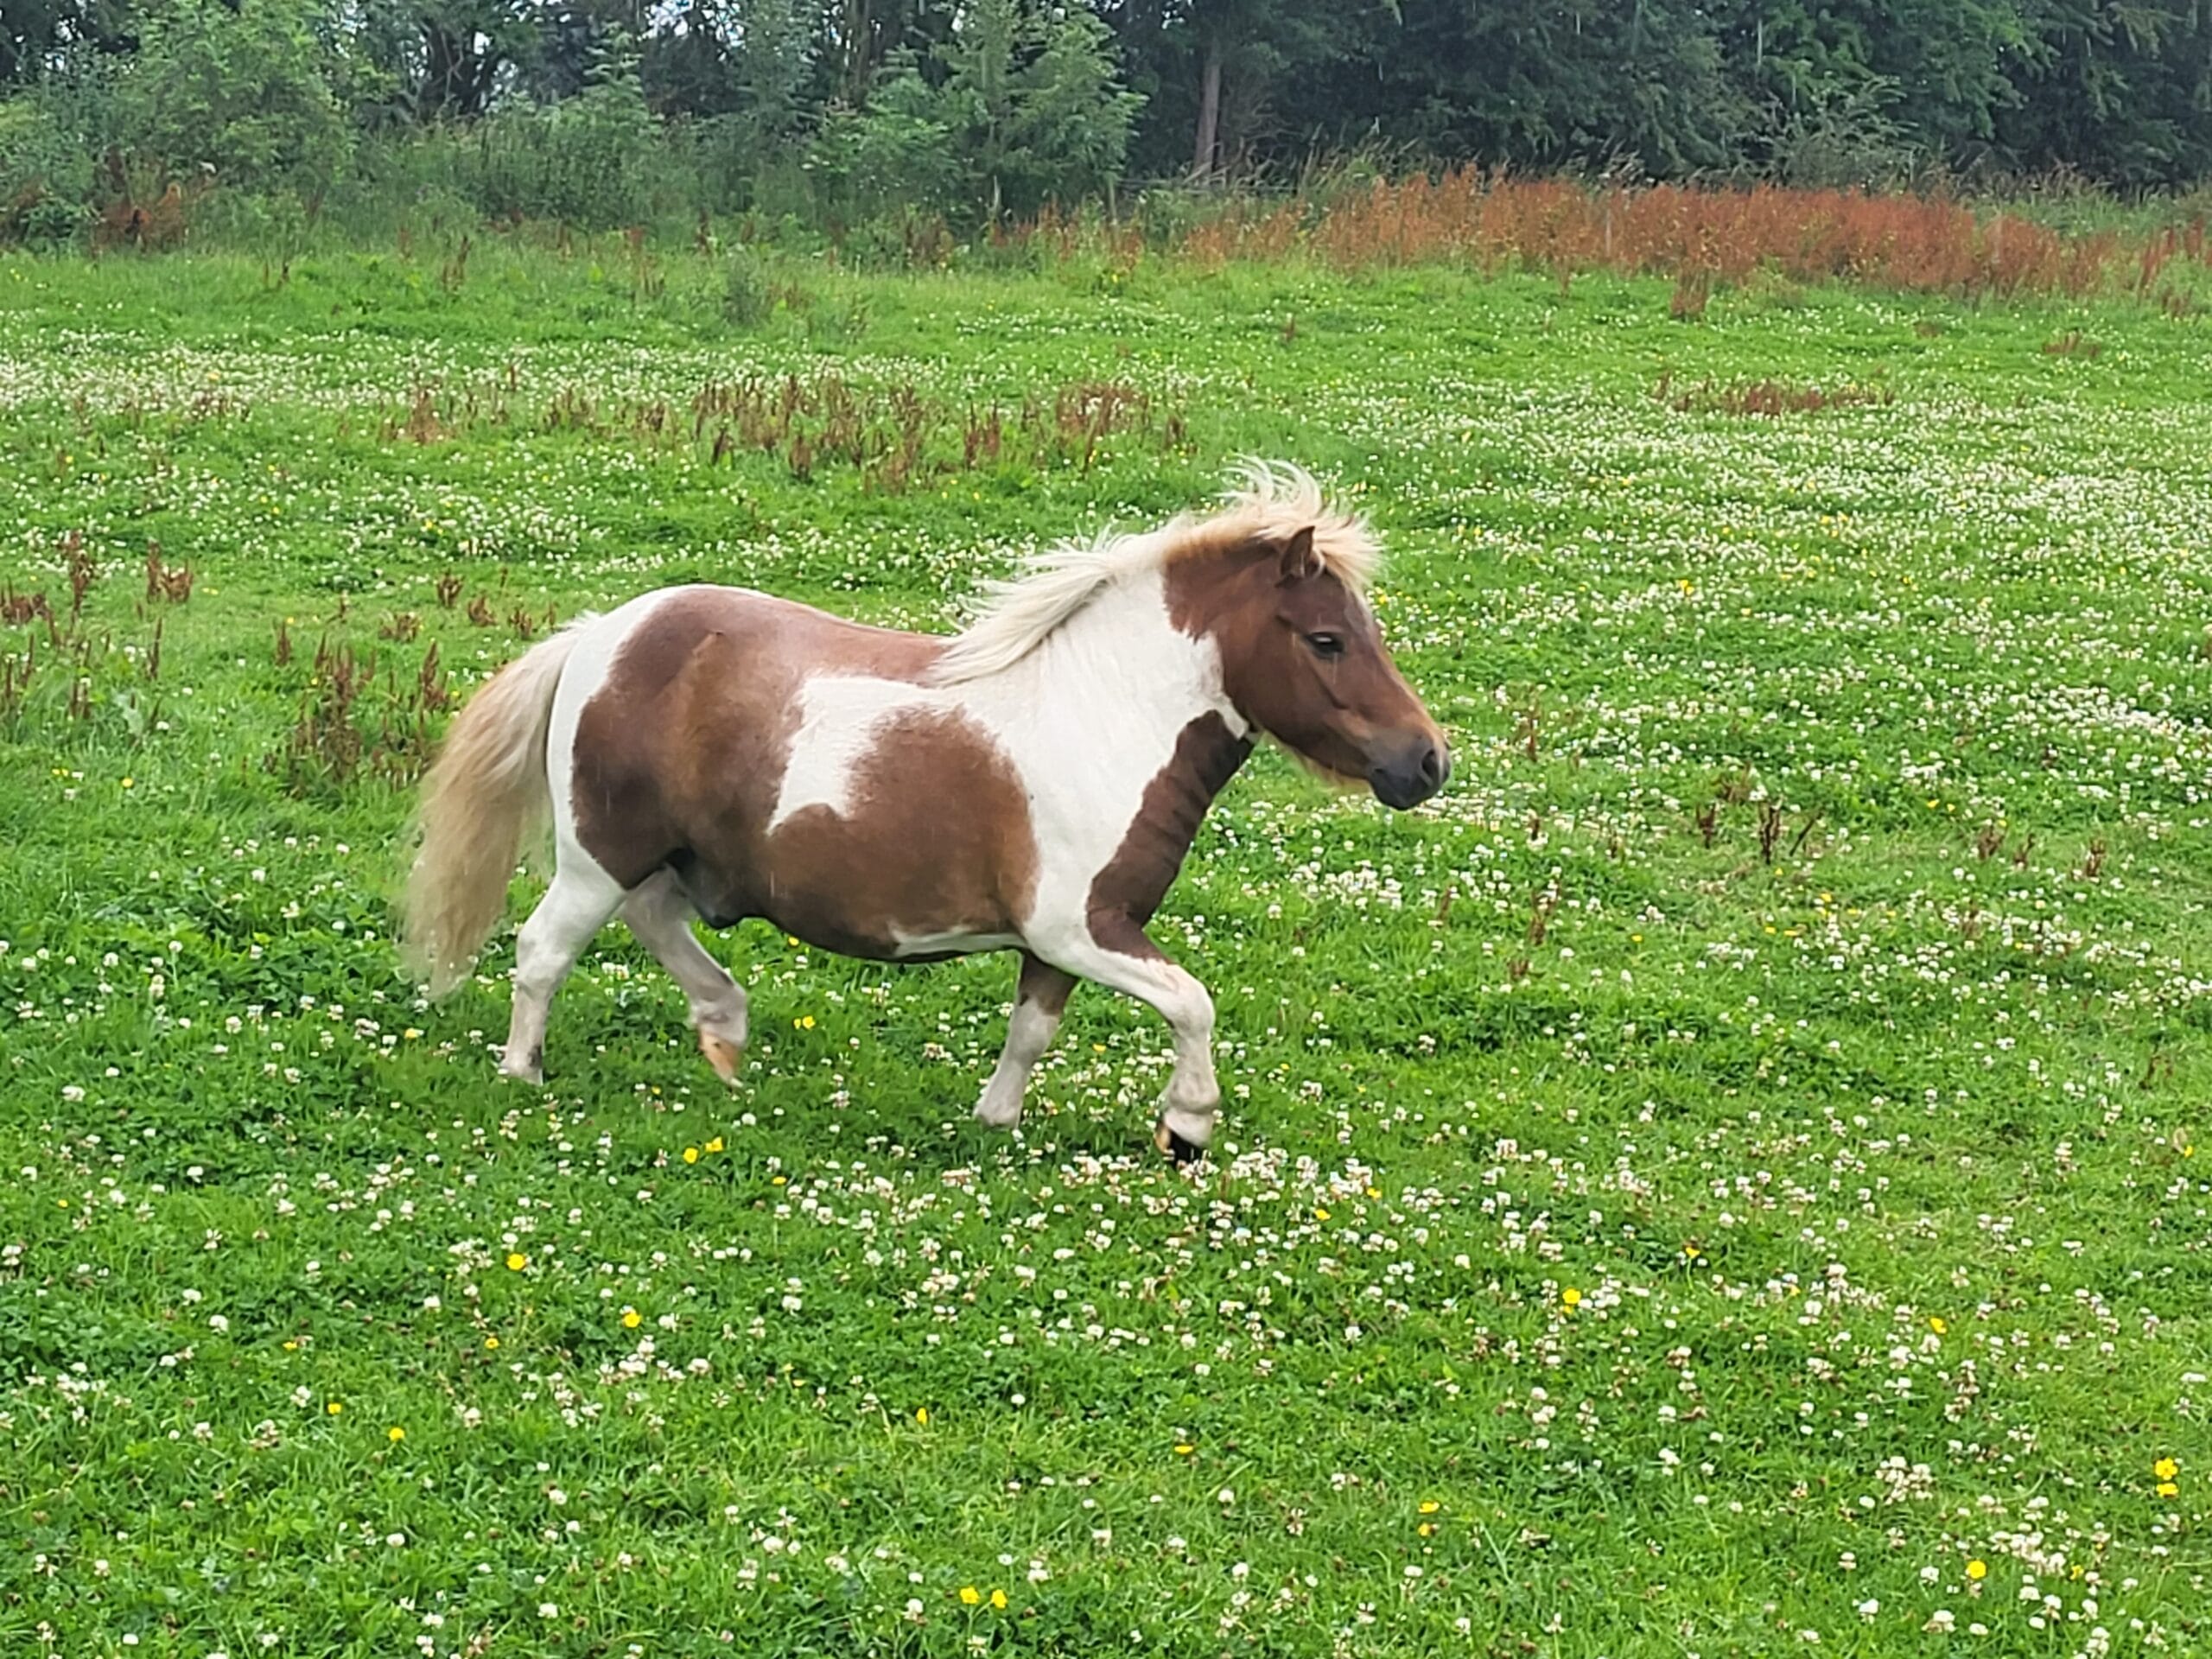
(1030, 783)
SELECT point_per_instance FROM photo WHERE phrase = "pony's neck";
(1120, 665)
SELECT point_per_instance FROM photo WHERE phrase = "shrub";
(748, 294)
(47, 174)
(238, 93)
(593, 160)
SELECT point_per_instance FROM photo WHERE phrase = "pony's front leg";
(1039, 1001)
(1117, 953)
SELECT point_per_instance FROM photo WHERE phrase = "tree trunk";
(1208, 137)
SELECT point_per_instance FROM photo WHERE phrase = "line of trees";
(604, 110)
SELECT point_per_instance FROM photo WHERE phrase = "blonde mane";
(1270, 502)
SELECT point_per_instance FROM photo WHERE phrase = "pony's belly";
(875, 903)
(939, 946)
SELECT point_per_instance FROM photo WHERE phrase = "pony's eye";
(1326, 644)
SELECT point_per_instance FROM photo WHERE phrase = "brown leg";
(1038, 1003)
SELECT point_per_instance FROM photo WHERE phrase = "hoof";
(1182, 1151)
(533, 1074)
(722, 1054)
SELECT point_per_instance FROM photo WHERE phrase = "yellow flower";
(411, 1033)
(804, 1022)
(1319, 1214)
(970, 1595)
(516, 1261)
(1183, 1448)
(1430, 1506)
(1690, 1252)
(690, 1154)
(290, 1346)
(127, 783)
(1935, 1323)
(1425, 1530)
(2167, 1489)
(2165, 1468)
(631, 1318)
(922, 1415)
(1571, 1296)
(777, 1180)
(1977, 1570)
(335, 1406)
(395, 1434)
(491, 1342)
(998, 1598)
(715, 1145)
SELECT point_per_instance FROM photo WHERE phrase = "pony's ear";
(1299, 562)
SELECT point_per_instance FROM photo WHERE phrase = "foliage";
(48, 175)
(591, 161)
(1018, 108)
(237, 93)
(859, 117)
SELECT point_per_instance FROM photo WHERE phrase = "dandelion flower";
(516, 1261)
(970, 1595)
(631, 1318)
(690, 1154)
(1938, 1323)
(1430, 1506)
(2168, 1489)
(395, 1434)
(1571, 1296)
(715, 1145)
(1977, 1570)
(491, 1342)
(335, 1406)
(922, 1415)
(998, 1598)
(1183, 1448)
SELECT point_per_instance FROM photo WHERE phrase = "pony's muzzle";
(1411, 775)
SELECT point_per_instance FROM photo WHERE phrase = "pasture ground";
(1731, 1176)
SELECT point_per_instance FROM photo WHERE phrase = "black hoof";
(1175, 1146)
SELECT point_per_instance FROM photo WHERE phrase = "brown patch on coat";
(1127, 890)
(936, 839)
(1043, 986)
(680, 756)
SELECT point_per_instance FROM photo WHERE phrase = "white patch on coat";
(842, 718)
(1086, 720)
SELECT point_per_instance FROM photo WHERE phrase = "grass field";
(1729, 1178)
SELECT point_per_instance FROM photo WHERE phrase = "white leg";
(575, 907)
(1126, 960)
(1042, 998)
(660, 916)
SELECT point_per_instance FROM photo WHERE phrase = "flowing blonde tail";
(485, 794)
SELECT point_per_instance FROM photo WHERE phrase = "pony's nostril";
(1434, 766)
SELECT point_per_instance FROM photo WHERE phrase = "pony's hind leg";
(660, 915)
(1038, 1003)
(575, 907)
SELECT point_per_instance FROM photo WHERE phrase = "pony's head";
(1277, 580)
(1280, 582)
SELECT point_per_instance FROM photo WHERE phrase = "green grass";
(1619, 1240)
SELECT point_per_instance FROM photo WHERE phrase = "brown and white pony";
(1031, 784)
